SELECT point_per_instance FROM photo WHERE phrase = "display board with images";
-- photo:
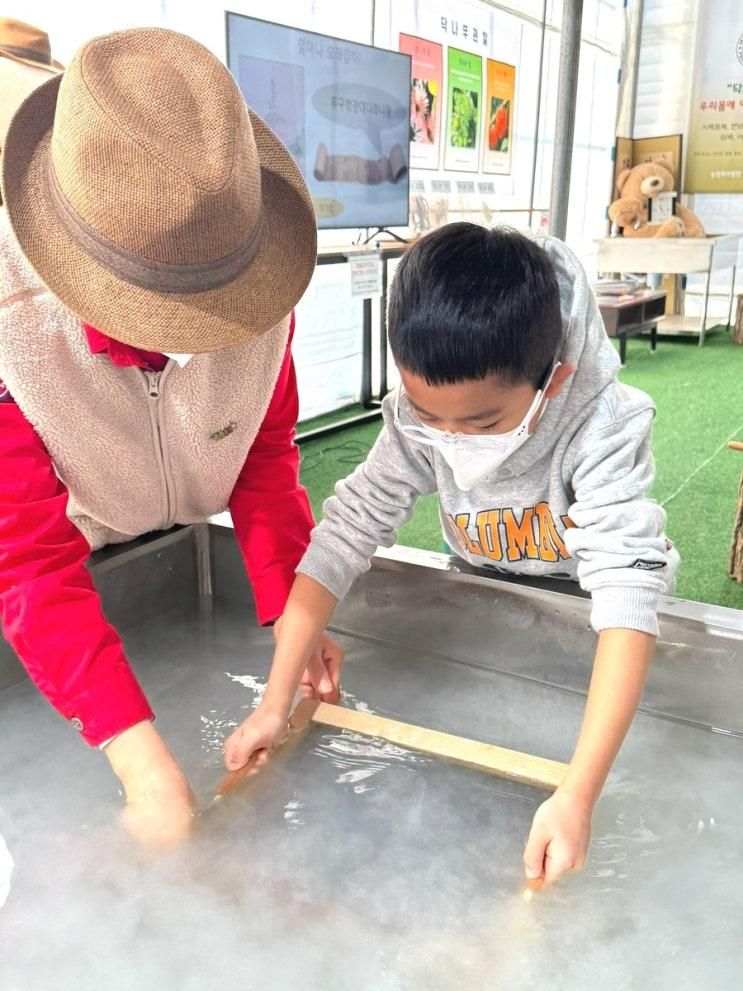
(463, 108)
(666, 149)
(479, 111)
(341, 108)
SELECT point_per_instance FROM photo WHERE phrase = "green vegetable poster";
(464, 111)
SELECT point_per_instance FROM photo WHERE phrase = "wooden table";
(676, 256)
(627, 316)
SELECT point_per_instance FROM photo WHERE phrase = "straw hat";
(27, 44)
(25, 63)
(152, 202)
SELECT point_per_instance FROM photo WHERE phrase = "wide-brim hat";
(26, 44)
(17, 80)
(25, 63)
(152, 202)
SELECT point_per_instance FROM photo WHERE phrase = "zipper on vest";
(154, 391)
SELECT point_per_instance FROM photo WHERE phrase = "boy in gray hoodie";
(511, 411)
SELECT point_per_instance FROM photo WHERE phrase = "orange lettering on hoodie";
(487, 531)
(550, 542)
(520, 536)
(460, 524)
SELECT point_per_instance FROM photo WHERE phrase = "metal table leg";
(383, 387)
(732, 297)
(366, 355)
(703, 325)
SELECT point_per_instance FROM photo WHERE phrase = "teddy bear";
(635, 187)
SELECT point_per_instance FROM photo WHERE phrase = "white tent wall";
(663, 106)
(664, 77)
(327, 347)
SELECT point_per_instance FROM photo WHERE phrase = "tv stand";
(383, 230)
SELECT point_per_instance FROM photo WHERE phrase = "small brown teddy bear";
(630, 212)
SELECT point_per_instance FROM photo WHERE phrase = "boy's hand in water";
(159, 802)
(301, 645)
(561, 830)
(559, 838)
(262, 731)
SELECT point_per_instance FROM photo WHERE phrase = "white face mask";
(473, 457)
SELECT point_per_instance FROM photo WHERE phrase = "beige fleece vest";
(137, 453)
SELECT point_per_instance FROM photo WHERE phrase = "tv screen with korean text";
(341, 109)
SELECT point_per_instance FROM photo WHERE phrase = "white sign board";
(366, 275)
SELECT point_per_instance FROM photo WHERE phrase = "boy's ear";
(562, 374)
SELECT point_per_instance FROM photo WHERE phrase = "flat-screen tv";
(339, 107)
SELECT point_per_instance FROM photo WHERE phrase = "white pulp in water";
(6, 869)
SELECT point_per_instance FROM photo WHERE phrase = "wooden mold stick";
(511, 764)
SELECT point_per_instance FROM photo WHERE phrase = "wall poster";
(464, 111)
(426, 95)
(499, 118)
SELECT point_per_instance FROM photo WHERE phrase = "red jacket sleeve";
(50, 611)
(270, 509)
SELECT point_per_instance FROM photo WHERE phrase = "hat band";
(28, 53)
(144, 272)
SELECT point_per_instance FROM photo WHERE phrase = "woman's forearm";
(622, 661)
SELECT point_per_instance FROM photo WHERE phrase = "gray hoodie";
(571, 501)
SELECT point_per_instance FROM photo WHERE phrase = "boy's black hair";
(467, 302)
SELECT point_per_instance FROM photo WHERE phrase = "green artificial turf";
(699, 396)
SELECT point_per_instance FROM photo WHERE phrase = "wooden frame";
(537, 771)
(511, 764)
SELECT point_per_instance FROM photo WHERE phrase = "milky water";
(298, 883)
(358, 758)
(413, 883)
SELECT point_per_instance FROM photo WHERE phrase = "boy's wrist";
(276, 703)
(581, 789)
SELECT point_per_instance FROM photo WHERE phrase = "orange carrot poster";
(499, 118)
(425, 100)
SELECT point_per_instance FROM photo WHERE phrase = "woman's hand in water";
(160, 805)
